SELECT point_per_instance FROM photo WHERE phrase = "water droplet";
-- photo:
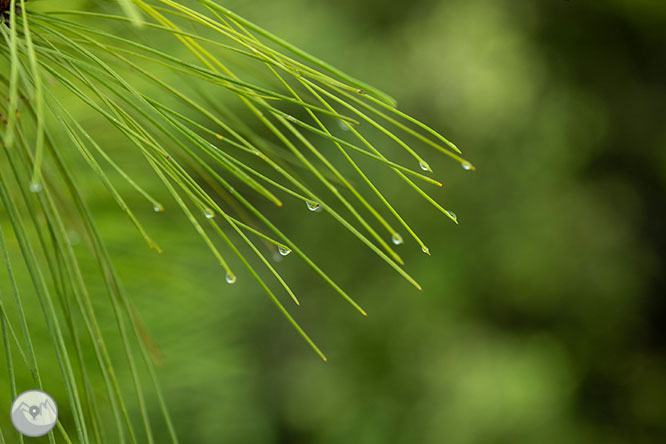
(466, 165)
(158, 208)
(209, 213)
(35, 187)
(452, 215)
(74, 237)
(424, 166)
(230, 278)
(343, 125)
(283, 250)
(397, 239)
(425, 249)
(313, 206)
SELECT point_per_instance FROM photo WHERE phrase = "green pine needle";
(214, 166)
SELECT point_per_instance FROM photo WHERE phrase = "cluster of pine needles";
(212, 163)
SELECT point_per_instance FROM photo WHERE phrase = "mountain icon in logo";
(34, 413)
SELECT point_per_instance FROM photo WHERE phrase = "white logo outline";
(34, 413)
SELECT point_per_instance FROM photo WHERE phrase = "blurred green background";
(542, 315)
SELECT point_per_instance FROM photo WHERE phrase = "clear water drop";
(35, 187)
(424, 166)
(74, 237)
(397, 239)
(452, 215)
(283, 250)
(230, 278)
(313, 206)
(343, 125)
(158, 208)
(425, 249)
(209, 213)
(466, 165)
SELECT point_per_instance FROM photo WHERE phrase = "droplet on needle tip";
(313, 206)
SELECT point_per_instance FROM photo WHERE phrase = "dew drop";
(209, 213)
(425, 249)
(452, 215)
(466, 165)
(35, 187)
(343, 125)
(74, 237)
(158, 208)
(424, 166)
(230, 278)
(283, 250)
(313, 206)
(397, 239)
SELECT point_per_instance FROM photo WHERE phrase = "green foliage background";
(542, 314)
